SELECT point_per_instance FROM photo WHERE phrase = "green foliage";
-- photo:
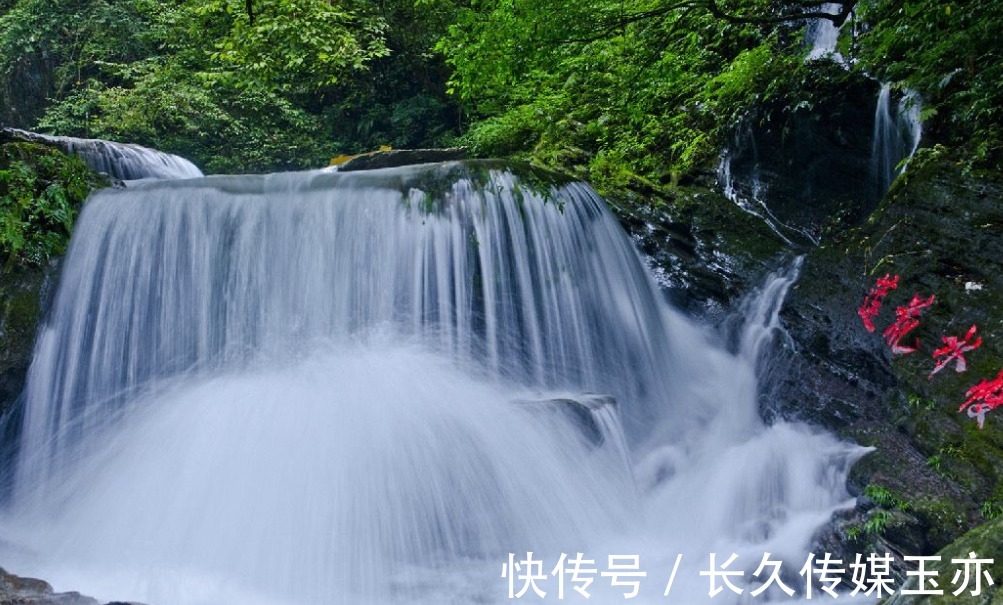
(221, 128)
(940, 461)
(854, 533)
(873, 526)
(288, 44)
(626, 94)
(918, 403)
(301, 82)
(876, 523)
(991, 509)
(629, 93)
(950, 53)
(632, 91)
(934, 462)
(884, 498)
(48, 46)
(41, 190)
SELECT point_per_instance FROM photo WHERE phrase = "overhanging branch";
(838, 19)
(608, 28)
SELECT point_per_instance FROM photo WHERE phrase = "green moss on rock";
(986, 541)
(41, 191)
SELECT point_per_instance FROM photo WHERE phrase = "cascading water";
(313, 387)
(125, 161)
(896, 135)
(823, 35)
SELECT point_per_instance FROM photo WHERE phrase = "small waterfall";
(823, 35)
(770, 499)
(896, 135)
(125, 161)
(312, 387)
(909, 116)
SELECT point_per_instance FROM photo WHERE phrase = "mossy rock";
(938, 229)
(808, 160)
(704, 250)
(41, 192)
(986, 541)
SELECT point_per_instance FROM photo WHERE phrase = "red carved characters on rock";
(955, 349)
(984, 397)
(981, 398)
(906, 319)
(872, 302)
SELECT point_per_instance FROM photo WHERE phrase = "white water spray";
(897, 135)
(823, 35)
(311, 388)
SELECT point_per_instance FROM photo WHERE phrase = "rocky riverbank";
(934, 475)
(16, 590)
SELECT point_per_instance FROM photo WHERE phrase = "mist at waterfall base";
(332, 388)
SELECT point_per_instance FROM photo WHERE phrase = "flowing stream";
(352, 388)
(125, 161)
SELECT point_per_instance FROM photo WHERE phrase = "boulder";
(15, 590)
(580, 410)
(704, 250)
(809, 164)
(401, 157)
(985, 542)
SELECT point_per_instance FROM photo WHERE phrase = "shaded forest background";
(620, 92)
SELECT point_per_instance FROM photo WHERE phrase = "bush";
(41, 191)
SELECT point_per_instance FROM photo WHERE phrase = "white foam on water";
(305, 388)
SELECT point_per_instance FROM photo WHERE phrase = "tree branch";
(610, 27)
(838, 19)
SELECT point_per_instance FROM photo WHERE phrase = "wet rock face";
(24, 294)
(703, 250)
(938, 229)
(986, 542)
(15, 590)
(811, 166)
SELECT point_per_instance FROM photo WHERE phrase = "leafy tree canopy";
(620, 91)
(237, 86)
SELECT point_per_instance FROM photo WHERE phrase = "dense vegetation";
(621, 91)
(283, 86)
(41, 190)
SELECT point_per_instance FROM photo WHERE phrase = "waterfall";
(896, 135)
(125, 161)
(319, 388)
(823, 35)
